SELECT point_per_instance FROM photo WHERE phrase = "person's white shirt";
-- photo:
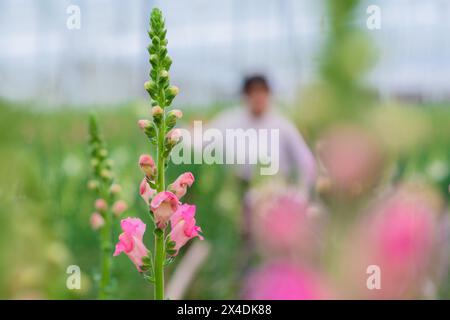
(295, 157)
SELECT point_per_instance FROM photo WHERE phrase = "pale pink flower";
(180, 185)
(101, 205)
(183, 226)
(130, 241)
(97, 221)
(163, 206)
(284, 281)
(147, 165)
(119, 207)
(146, 191)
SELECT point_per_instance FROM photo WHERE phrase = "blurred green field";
(45, 205)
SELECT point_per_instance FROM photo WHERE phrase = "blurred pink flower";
(96, 221)
(119, 207)
(400, 238)
(180, 185)
(130, 241)
(183, 226)
(146, 191)
(147, 165)
(101, 205)
(352, 158)
(283, 223)
(164, 205)
(284, 281)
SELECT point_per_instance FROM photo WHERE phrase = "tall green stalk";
(105, 188)
(162, 95)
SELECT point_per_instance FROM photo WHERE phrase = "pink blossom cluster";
(167, 210)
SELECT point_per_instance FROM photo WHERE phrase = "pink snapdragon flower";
(180, 185)
(164, 205)
(130, 241)
(284, 281)
(97, 221)
(147, 165)
(146, 191)
(183, 226)
(101, 205)
(119, 207)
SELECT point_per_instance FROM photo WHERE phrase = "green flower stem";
(159, 265)
(159, 234)
(106, 233)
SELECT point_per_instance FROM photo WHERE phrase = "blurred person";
(296, 161)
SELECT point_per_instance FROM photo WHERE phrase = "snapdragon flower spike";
(180, 185)
(147, 165)
(130, 241)
(146, 191)
(97, 221)
(163, 206)
(183, 227)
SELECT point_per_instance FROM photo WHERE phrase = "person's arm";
(302, 158)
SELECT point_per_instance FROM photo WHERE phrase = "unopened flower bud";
(94, 163)
(153, 58)
(173, 136)
(105, 173)
(101, 205)
(164, 74)
(149, 86)
(93, 184)
(157, 111)
(144, 124)
(147, 165)
(176, 113)
(172, 117)
(119, 207)
(96, 221)
(103, 153)
(115, 188)
(173, 90)
(110, 162)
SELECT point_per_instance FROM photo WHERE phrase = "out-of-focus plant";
(107, 205)
(163, 202)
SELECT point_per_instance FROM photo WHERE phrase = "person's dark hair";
(253, 81)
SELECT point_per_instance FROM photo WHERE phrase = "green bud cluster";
(158, 87)
(101, 165)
